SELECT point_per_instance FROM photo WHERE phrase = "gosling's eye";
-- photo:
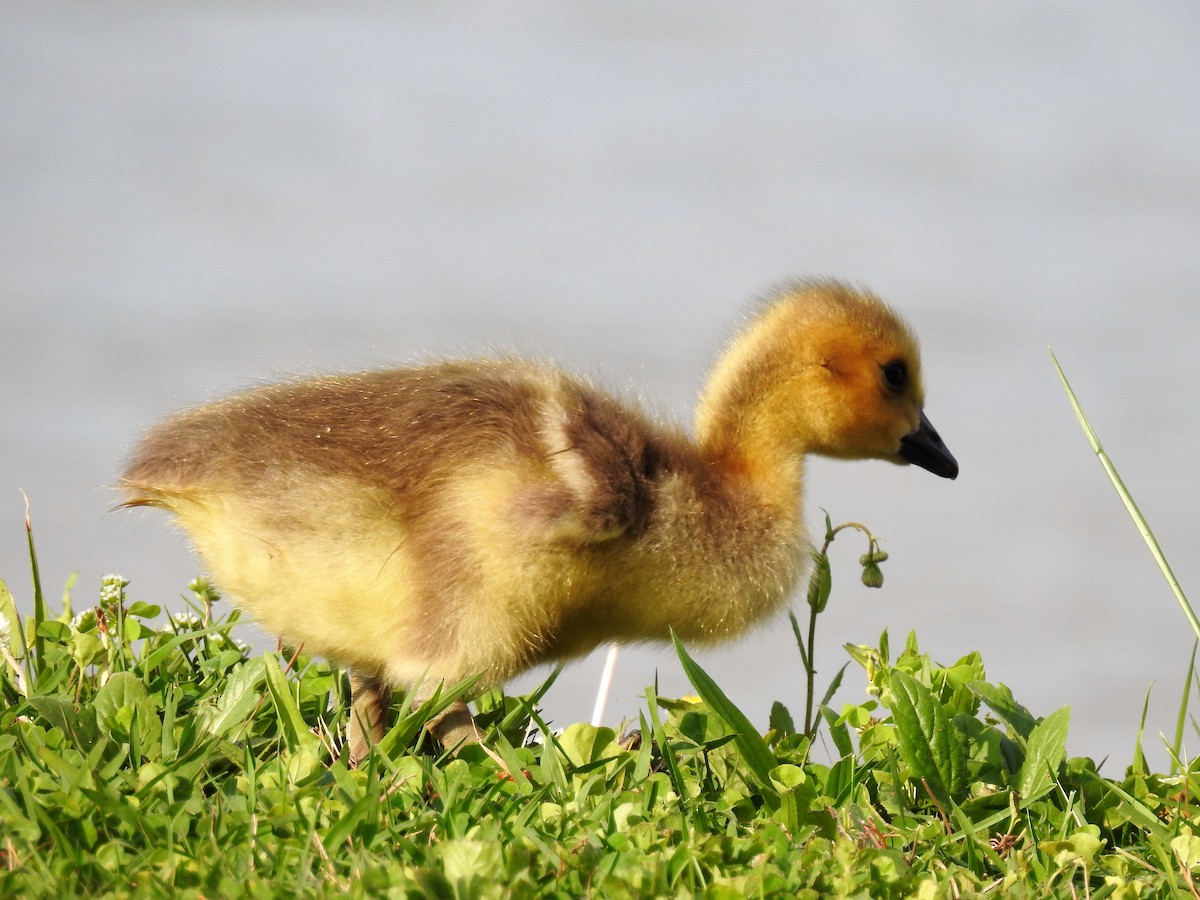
(895, 374)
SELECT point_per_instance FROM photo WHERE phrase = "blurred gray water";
(194, 198)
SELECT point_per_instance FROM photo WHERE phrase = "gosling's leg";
(454, 725)
(370, 697)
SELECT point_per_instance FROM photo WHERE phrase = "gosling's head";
(829, 370)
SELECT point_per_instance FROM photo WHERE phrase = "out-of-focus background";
(197, 198)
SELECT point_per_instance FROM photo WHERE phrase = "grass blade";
(1181, 722)
(1134, 513)
(1139, 766)
(753, 748)
(664, 745)
(39, 600)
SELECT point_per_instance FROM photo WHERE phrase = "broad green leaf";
(695, 722)
(59, 632)
(86, 647)
(111, 801)
(1046, 750)
(957, 678)
(1000, 700)
(122, 701)
(841, 780)
(791, 808)
(928, 742)
(123, 689)
(238, 699)
(585, 744)
(470, 865)
(1077, 849)
(1186, 848)
(78, 724)
(781, 720)
(797, 801)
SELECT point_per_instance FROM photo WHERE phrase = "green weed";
(142, 754)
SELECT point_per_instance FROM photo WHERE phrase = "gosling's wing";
(401, 431)
(603, 458)
(580, 465)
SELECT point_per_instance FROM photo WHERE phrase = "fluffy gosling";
(424, 525)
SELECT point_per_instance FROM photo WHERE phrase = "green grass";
(142, 755)
(147, 755)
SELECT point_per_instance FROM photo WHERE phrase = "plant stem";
(810, 729)
(812, 672)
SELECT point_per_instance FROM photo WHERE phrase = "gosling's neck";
(743, 450)
(747, 425)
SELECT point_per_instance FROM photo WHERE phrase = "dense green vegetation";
(143, 754)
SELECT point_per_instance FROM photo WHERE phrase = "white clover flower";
(219, 638)
(112, 590)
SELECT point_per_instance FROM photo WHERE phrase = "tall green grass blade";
(834, 684)
(1139, 758)
(366, 807)
(839, 733)
(799, 639)
(295, 732)
(668, 755)
(501, 746)
(39, 599)
(1138, 519)
(1181, 722)
(533, 699)
(551, 740)
(750, 743)
(155, 658)
(1138, 813)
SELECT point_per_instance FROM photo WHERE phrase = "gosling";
(425, 525)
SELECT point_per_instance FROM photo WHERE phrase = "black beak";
(924, 448)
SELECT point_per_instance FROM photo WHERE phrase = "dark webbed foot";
(454, 726)
(370, 698)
